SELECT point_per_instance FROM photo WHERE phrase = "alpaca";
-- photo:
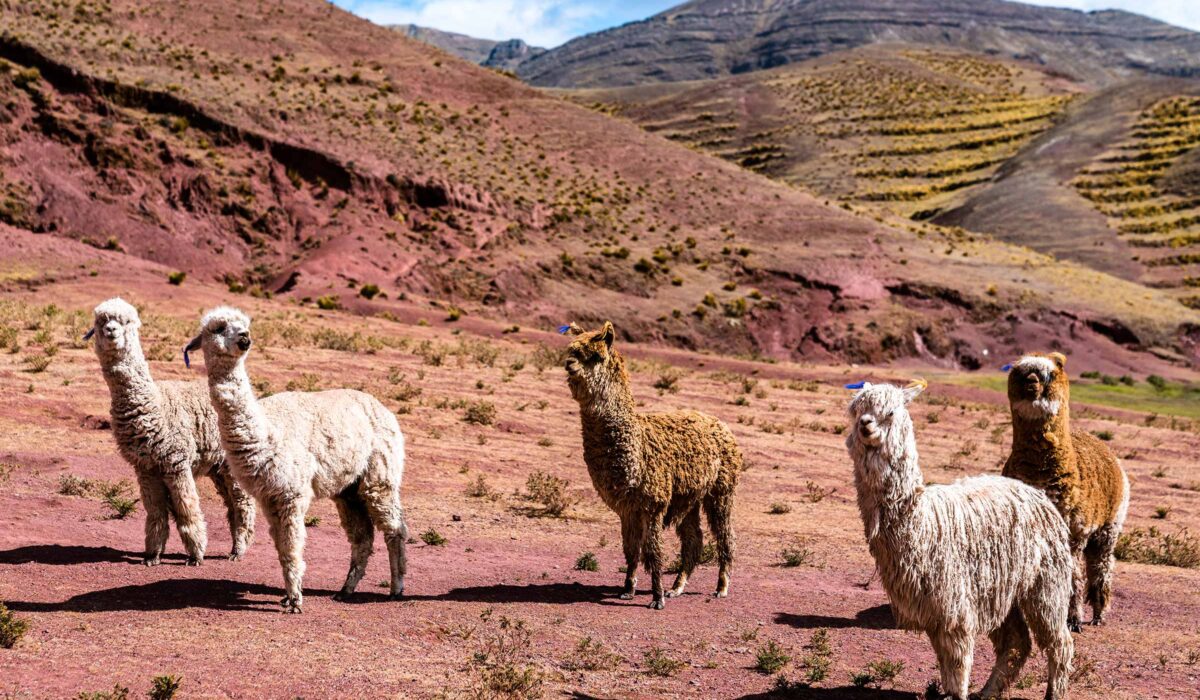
(982, 555)
(1077, 471)
(167, 431)
(653, 470)
(342, 444)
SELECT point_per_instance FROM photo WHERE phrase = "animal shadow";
(169, 594)
(552, 593)
(876, 618)
(847, 692)
(66, 555)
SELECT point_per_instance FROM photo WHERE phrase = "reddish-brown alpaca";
(654, 470)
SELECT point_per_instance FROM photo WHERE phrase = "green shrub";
(587, 562)
(369, 291)
(433, 538)
(118, 499)
(661, 665)
(165, 687)
(328, 303)
(12, 628)
(480, 413)
(771, 658)
(177, 278)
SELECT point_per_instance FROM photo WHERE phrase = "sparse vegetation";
(659, 664)
(433, 538)
(549, 492)
(877, 674)
(12, 628)
(1152, 546)
(587, 562)
(770, 658)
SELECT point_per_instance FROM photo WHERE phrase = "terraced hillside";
(1146, 186)
(908, 128)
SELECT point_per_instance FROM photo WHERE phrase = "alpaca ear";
(191, 347)
(608, 334)
(914, 389)
(1059, 359)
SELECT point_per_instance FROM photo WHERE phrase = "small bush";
(1152, 546)
(816, 494)
(1157, 382)
(312, 521)
(369, 291)
(661, 665)
(770, 658)
(877, 673)
(795, 555)
(433, 538)
(480, 413)
(591, 655)
(479, 488)
(454, 313)
(668, 381)
(328, 303)
(71, 485)
(1105, 435)
(779, 508)
(118, 692)
(118, 499)
(587, 562)
(164, 687)
(12, 628)
(550, 492)
(176, 278)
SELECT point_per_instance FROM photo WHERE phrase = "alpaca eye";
(219, 329)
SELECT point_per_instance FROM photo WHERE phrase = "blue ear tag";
(1006, 368)
(562, 330)
(187, 361)
(856, 385)
(89, 334)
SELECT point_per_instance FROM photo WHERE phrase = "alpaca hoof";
(291, 606)
(673, 593)
(396, 596)
(1096, 621)
(148, 561)
(657, 604)
(721, 594)
(193, 561)
(235, 556)
(1074, 626)
(342, 596)
(626, 595)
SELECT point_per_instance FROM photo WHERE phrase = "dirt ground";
(504, 583)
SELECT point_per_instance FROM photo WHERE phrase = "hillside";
(292, 149)
(713, 38)
(911, 130)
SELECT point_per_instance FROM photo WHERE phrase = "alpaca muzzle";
(243, 342)
(868, 430)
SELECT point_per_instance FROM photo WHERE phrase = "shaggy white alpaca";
(168, 432)
(341, 444)
(985, 555)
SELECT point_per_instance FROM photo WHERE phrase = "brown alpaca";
(654, 470)
(1079, 472)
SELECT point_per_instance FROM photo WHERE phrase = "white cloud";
(1181, 13)
(545, 23)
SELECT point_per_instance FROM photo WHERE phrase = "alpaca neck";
(611, 432)
(134, 393)
(243, 424)
(1042, 435)
(888, 490)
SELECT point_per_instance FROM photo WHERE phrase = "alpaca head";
(592, 365)
(1038, 388)
(880, 422)
(224, 337)
(115, 329)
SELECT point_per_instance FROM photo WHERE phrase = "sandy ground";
(98, 617)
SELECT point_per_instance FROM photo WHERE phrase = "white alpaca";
(984, 555)
(342, 444)
(168, 432)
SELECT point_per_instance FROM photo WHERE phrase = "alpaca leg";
(189, 519)
(1055, 638)
(955, 652)
(691, 540)
(156, 503)
(239, 510)
(652, 553)
(631, 541)
(719, 509)
(287, 530)
(356, 521)
(1101, 561)
(1012, 644)
(1075, 611)
(380, 490)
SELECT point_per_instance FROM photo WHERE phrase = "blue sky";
(551, 22)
